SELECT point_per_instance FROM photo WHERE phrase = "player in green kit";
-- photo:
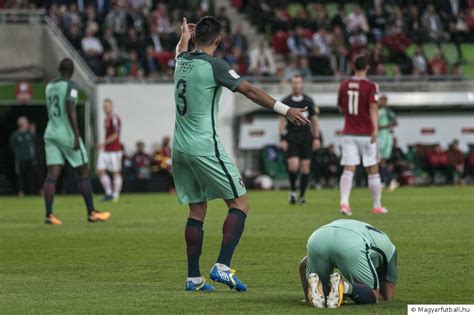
(202, 169)
(364, 255)
(62, 142)
(387, 122)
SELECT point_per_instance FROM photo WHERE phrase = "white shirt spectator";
(357, 21)
(322, 42)
(92, 44)
(262, 61)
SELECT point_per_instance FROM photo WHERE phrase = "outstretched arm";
(186, 33)
(71, 114)
(295, 115)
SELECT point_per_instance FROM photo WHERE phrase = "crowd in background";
(137, 38)
(313, 42)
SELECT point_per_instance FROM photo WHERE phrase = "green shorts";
(330, 247)
(385, 144)
(203, 178)
(58, 150)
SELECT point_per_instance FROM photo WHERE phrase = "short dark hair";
(66, 67)
(207, 30)
(360, 62)
(297, 76)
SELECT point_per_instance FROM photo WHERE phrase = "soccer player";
(299, 141)
(387, 122)
(357, 100)
(62, 142)
(365, 257)
(202, 169)
(110, 154)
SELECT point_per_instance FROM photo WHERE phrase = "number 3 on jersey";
(181, 90)
(353, 104)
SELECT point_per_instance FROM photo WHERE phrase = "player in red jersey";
(110, 154)
(358, 101)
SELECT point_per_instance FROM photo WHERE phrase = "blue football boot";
(228, 277)
(203, 286)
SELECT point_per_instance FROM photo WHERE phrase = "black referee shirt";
(301, 101)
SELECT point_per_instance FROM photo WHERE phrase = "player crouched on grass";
(202, 169)
(364, 256)
(62, 141)
(110, 154)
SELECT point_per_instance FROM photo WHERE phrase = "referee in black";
(299, 142)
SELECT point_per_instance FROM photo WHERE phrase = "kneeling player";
(365, 257)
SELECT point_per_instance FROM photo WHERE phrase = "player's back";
(354, 99)
(112, 125)
(378, 240)
(58, 92)
(198, 81)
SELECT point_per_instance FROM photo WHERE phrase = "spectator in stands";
(469, 20)
(290, 69)
(358, 42)
(437, 162)
(133, 41)
(413, 23)
(56, 15)
(137, 20)
(419, 61)
(141, 162)
(339, 19)
(458, 30)
(162, 157)
(432, 26)
(297, 43)
(398, 20)
(321, 57)
(151, 66)
(71, 16)
(110, 72)
(116, 19)
(224, 20)
(301, 19)
(319, 14)
(356, 20)
(132, 66)
(455, 162)
(239, 39)
(280, 21)
(237, 60)
(397, 43)
(22, 143)
(376, 58)
(377, 22)
(90, 16)
(304, 69)
(262, 61)
(339, 47)
(74, 35)
(438, 65)
(111, 44)
(92, 48)
(159, 20)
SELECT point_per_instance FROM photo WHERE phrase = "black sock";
(362, 294)
(49, 189)
(86, 191)
(194, 234)
(303, 184)
(293, 177)
(232, 230)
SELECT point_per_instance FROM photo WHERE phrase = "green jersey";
(58, 92)
(198, 81)
(386, 117)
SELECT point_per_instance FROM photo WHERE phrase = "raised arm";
(186, 33)
(71, 115)
(295, 115)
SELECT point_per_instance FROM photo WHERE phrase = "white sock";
(375, 186)
(222, 267)
(195, 280)
(118, 182)
(106, 184)
(347, 287)
(345, 186)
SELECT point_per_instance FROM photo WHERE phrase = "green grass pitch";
(136, 262)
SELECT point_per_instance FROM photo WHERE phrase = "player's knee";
(350, 168)
(241, 203)
(374, 169)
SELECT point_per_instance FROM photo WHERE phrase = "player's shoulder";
(286, 99)
(308, 99)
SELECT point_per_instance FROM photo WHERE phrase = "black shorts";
(300, 145)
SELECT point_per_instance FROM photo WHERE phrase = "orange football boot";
(99, 216)
(51, 219)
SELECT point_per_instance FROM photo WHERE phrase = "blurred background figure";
(22, 143)
(141, 162)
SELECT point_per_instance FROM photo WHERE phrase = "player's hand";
(295, 115)
(77, 145)
(373, 137)
(316, 145)
(187, 29)
(284, 145)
